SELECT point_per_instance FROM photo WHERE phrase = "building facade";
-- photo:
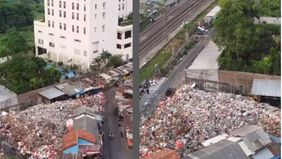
(77, 31)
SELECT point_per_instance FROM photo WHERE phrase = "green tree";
(115, 61)
(24, 73)
(14, 43)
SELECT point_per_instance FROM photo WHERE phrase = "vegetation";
(106, 59)
(148, 70)
(247, 46)
(15, 14)
(25, 73)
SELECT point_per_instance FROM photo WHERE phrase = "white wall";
(101, 26)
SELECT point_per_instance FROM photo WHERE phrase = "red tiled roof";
(164, 154)
(70, 139)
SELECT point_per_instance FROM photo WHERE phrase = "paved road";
(175, 77)
(117, 147)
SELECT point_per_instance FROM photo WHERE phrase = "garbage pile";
(38, 130)
(194, 116)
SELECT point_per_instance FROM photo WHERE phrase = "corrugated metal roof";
(240, 132)
(263, 87)
(88, 124)
(221, 150)
(51, 93)
(263, 154)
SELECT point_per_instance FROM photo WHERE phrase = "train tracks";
(155, 33)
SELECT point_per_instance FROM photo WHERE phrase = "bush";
(60, 63)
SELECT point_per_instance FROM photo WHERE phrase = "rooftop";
(221, 150)
(263, 87)
(51, 93)
(70, 139)
(5, 93)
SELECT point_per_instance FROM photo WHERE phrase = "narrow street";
(115, 148)
(174, 78)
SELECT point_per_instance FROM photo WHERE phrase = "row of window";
(77, 16)
(60, 4)
(52, 3)
(103, 5)
(126, 35)
(121, 8)
(63, 26)
(125, 46)
(77, 29)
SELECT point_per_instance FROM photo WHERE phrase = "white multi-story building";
(77, 31)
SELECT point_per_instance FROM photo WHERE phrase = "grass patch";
(148, 70)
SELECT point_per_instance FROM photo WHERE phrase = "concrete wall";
(228, 81)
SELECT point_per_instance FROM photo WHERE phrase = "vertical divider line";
(136, 111)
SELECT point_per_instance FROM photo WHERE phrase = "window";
(65, 26)
(77, 16)
(64, 4)
(40, 41)
(53, 24)
(63, 37)
(60, 4)
(52, 3)
(84, 30)
(77, 29)
(51, 44)
(104, 15)
(95, 47)
(119, 35)
(104, 5)
(84, 18)
(51, 34)
(60, 25)
(123, 6)
(48, 3)
(118, 46)
(72, 28)
(77, 6)
(72, 16)
(103, 28)
(77, 40)
(119, 7)
(72, 6)
(96, 6)
(48, 11)
(127, 45)
(65, 14)
(49, 23)
(84, 8)
(127, 34)
(52, 11)
(39, 31)
(60, 13)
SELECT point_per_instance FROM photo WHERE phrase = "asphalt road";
(174, 79)
(115, 148)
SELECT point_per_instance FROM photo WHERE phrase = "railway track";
(155, 34)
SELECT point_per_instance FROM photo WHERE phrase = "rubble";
(194, 116)
(38, 130)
